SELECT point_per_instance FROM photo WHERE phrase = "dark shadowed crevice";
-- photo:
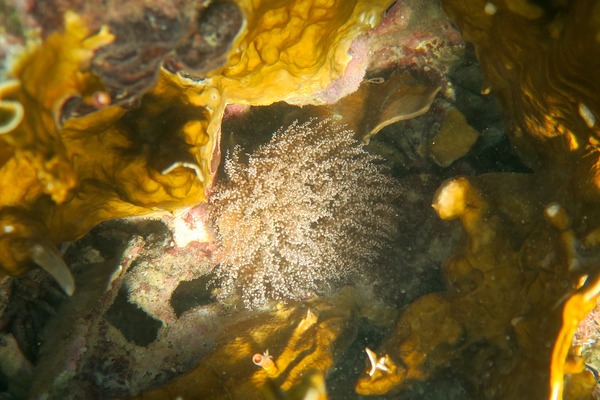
(135, 325)
(190, 294)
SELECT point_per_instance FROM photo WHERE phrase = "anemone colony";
(298, 217)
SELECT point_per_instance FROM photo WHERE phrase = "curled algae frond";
(107, 164)
(400, 98)
(34, 161)
(11, 112)
(575, 308)
(378, 103)
(158, 156)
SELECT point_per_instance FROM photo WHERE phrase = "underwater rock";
(194, 42)
(14, 365)
(297, 340)
(110, 351)
(454, 139)
(416, 37)
(122, 329)
(191, 37)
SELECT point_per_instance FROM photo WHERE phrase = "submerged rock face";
(528, 271)
(300, 341)
(525, 274)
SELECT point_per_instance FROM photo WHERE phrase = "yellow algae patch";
(155, 157)
(46, 77)
(454, 139)
(150, 154)
(291, 50)
(70, 175)
(54, 71)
